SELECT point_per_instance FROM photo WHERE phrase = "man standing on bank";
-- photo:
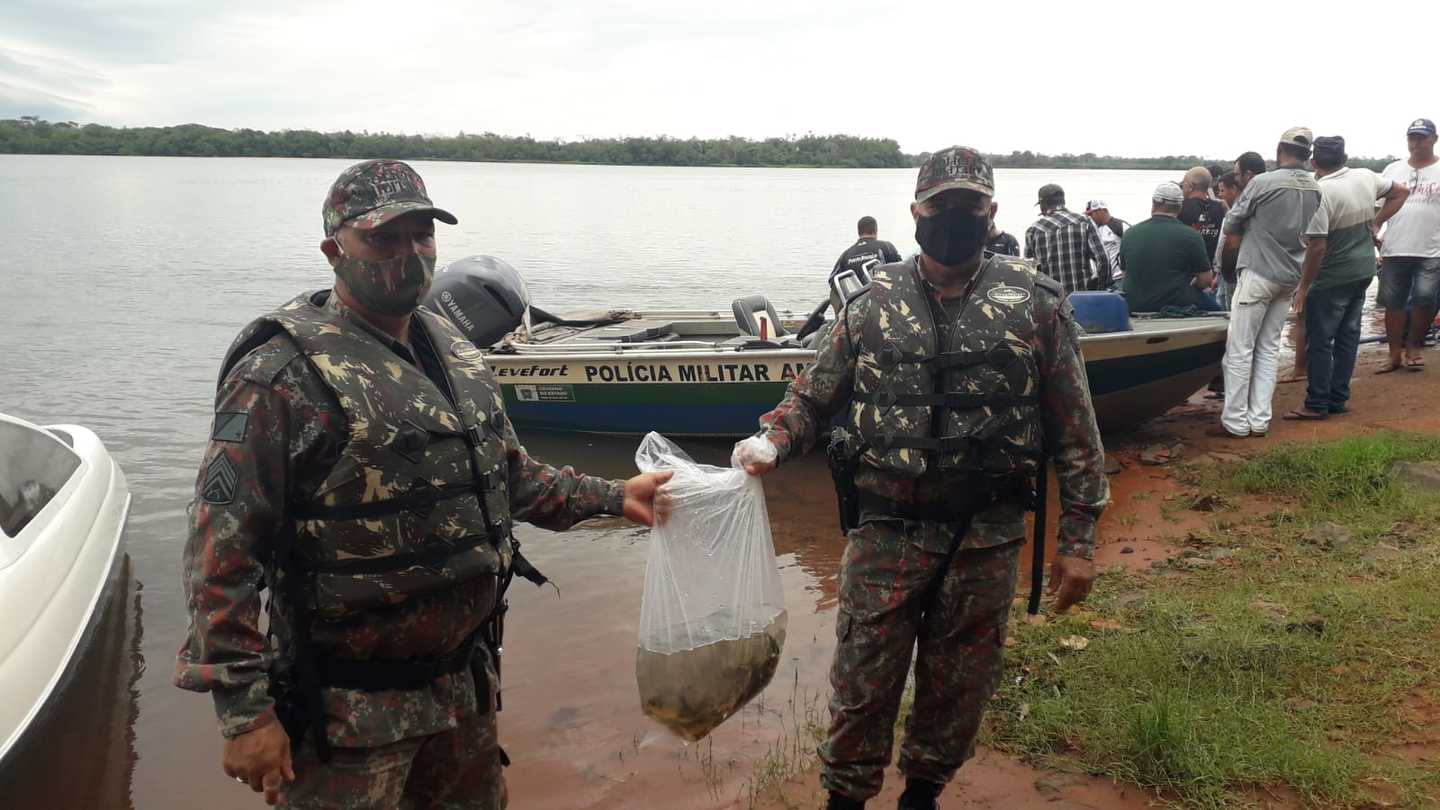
(958, 374)
(1410, 253)
(868, 251)
(1339, 266)
(362, 468)
(1263, 244)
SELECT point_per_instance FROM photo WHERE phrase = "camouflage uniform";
(941, 588)
(288, 441)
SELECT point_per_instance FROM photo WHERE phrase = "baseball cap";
(951, 168)
(1421, 126)
(1096, 205)
(1168, 193)
(373, 192)
(1047, 191)
(1298, 136)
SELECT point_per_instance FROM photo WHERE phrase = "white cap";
(1168, 193)
(1096, 205)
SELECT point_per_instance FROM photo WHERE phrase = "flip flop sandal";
(1415, 364)
(1390, 368)
(1306, 416)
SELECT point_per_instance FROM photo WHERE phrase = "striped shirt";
(1065, 246)
(1346, 212)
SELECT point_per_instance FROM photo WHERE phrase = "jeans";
(1332, 336)
(1258, 308)
(1408, 279)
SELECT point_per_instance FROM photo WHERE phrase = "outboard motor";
(483, 296)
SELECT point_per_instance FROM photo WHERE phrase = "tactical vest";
(417, 502)
(968, 406)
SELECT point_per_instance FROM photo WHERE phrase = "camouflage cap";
(373, 192)
(951, 168)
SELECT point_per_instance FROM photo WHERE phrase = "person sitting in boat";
(868, 251)
(362, 467)
(958, 373)
(1000, 242)
(1111, 229)
(1165, 262)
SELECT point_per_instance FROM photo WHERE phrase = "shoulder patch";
(221, 479)
(467, 352)
(1006, 295)
(230, 427)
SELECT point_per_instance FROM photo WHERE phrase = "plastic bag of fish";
(712, 620)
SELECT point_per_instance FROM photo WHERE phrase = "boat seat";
(644, 334)
(1100, 313)
(757, 318)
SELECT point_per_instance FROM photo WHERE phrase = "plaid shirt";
(1064, 244)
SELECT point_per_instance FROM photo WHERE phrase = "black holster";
(492, 636)
(295, 681)
(843, 458)
(1039, 504)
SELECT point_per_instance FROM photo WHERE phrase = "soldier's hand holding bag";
(712, 620)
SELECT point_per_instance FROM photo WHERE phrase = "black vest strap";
(970, 499)
(419, 499)
(999, 355)
(933, 512)
(948, 444)
(433, 554)
(954, 400)
(377, 674)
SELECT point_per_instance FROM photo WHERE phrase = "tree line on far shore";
(32, 135)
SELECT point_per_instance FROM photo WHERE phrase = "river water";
(122, 281)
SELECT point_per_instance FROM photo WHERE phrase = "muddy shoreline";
(572, 722)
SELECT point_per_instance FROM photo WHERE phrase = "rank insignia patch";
(220, 481)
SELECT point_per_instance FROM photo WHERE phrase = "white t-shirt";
(1112, 249)
(1415, 230)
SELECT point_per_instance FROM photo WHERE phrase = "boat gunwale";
(523, 351)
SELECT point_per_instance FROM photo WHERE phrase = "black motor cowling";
(483, 296)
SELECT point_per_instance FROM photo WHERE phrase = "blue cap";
(1421, 126)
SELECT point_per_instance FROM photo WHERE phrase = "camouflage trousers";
(458, 769)
(903, 596)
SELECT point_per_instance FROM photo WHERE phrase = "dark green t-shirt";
(1161, 258)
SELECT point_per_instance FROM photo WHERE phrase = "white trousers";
(1258, 308)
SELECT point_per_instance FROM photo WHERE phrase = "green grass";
(1291, 666)
(1347, 477)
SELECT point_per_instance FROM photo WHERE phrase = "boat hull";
(52, 595)
(1133, 376)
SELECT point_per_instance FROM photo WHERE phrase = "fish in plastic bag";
(712, 620)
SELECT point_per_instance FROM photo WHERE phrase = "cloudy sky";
(1118, 77)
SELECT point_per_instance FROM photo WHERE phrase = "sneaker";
(839, 801)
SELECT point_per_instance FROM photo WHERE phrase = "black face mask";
(952, 236)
